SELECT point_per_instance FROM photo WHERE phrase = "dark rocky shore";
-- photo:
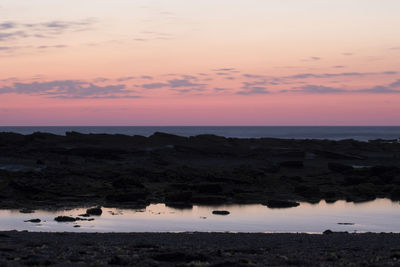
(198, 249)
(49, 171)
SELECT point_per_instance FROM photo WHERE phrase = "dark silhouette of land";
(46, 171)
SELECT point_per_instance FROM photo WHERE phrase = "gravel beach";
(198, 249)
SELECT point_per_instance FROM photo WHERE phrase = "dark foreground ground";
(198, 249)
(49, 171)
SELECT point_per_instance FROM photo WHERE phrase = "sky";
(209, 62)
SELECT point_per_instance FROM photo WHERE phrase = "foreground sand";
(198, 249)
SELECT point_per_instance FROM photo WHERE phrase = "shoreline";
(198, 249)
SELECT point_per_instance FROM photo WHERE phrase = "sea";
(361, 133)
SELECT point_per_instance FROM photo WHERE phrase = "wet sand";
(198, 249)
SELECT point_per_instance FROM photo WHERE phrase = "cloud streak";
(14, 31)
(320, 89)
(336, 75)
(73, 89)
(315, 89)
(255, 90)
(181, 85)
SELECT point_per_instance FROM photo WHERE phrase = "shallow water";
(362, 133)
(381, 215)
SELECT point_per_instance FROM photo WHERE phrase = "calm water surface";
(381, 215)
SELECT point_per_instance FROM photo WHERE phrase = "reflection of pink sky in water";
(377, 216)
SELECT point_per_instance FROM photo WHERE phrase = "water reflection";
(381, 215)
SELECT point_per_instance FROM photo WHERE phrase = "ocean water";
(362, 133)
(381, 215)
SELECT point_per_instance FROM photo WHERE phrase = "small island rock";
(94, 211)
(221, 212)
(65, 219)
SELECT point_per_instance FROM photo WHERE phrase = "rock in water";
(276, 204)
(94, 211)
(26, 210)
(64, 219)
(33, 220)
(221, 212)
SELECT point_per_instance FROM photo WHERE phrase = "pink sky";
(257, 62)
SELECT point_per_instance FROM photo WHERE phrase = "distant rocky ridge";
(45, 170)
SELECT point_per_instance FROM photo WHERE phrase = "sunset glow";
(179, 62)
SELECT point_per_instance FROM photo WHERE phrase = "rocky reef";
(45, 170)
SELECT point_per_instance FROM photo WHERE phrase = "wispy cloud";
(254, 76)
(336, 75)
(68, 89)
(311, 59)
(7, 25)
(251, 84)
(320, 89)
(154, 85)
(187, 84)
(255, 90)
(315, 89)
(12, 30)
(146, 36)
(379, 90)
(125, 78)
(395, 84)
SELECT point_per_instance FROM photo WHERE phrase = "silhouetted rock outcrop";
(135, 170)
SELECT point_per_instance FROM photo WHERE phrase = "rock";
(94, 211)
(179, 205)
(84, 219)
(272, 169)
(33, 220)
(273, 204)
(119, 260)
(134, 196)
(179, 257)
(170, 256)
(84, 215)
(126, 182)
(395, 194)
(365, 191)
(208, 188)
(209, 199)
(292, 164)
(340, 168)
(328, 232)
(25, 210)
(329, 195)
(64, 219)
(308, 191)
(185, 196)
(221, 212)
(77, 226)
